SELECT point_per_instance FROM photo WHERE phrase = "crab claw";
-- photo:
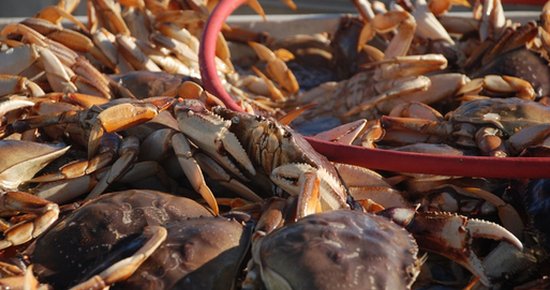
(211, 133)
(316, 189)
(451, 235)
(125, 115)
(345, 133)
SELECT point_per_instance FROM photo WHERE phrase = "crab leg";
(276, 68)
(406, 26)
(210, 133)
(65, 190)
(70, 38)
(105, 42)
(145, 169)
(492, 19)
(17, 59)
(47, 213)
(527, 137)
(367, 185)
(128, 155)
(416, 125)
(442, 86)
(14, 103)
(345, 134)
(132, 53)
(124, 116)
(428, 26)
(78, 168)
(218, 173)
(272, 217)
(306, 182)
(21, 160)
(390, 90)
(408, 66)
(57, 75)
(20, 126)
(8, 270)
(12, 84)
(192, 170)
(24, 280)
(63, 10)
(126, 267)
(309, 201)
(110, 12)
(451, 236)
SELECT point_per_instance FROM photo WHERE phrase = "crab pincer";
(125, 115)
(451, 235)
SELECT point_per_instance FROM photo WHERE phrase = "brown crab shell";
(199, 253)
(338, 250)
(509, 114)
(83, 242)
(521, 63)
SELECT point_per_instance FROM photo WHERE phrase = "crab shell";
(84, 242)
(521, 63)
(199, 253)
(340, 249)
(256, 135)
(509, 114)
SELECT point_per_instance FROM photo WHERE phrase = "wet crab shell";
(509, 114)
(521, 63)
(338, 250)
(80, 245)
(199, 253)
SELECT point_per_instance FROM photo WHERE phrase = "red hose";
(511, 167)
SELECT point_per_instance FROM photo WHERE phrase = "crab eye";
(235, 120)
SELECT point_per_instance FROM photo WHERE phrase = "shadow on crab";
(159, 241)
(107, 241)
(346, 249)
(529, 266)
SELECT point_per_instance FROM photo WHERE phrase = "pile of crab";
(117, 169)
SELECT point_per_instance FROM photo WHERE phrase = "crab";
(273, 158)
(343, 243)
(116, 159)
(218, 245)
(527, 266)
(389, 78)
(95, 119)
(22, 160)
(289, 163)
(66, 70)
(67, 255)
(357, 249)
(498, 127)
